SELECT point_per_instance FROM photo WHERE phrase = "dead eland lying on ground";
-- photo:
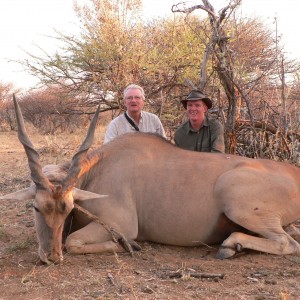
(149, 190)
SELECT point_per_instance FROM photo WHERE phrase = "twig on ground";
(180, 274)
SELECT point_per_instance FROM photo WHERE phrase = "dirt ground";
(156, 272)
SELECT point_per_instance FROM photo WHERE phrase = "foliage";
(99, 65)
(50, 110)
(245, 77)
(6, 116)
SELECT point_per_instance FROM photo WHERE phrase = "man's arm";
(111, 132)
(160, 129)
(217, 138)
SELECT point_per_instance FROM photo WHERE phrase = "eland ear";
(85, 195)
(25, 194)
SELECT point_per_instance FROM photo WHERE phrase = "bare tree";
(248, 78)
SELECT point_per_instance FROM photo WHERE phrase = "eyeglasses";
(134, 97)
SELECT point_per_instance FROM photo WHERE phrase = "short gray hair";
(134, 86)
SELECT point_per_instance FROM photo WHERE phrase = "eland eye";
(49, 207)
(62, 207)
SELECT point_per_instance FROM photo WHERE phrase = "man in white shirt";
(134, 119)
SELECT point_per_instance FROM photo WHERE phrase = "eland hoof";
(57, 259)
(225, 252)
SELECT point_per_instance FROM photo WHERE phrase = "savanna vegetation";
(238, 61)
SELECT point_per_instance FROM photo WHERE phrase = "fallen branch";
(180, 274)
(117, 237)
(207, 275)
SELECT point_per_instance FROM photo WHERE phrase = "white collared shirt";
(148, 123)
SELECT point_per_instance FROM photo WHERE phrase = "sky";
(26, 24)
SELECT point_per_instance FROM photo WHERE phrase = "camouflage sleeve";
(217, 137)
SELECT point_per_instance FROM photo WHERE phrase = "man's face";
(196, 110)
(134, 101)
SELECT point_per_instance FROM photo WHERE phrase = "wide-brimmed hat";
(197, 95)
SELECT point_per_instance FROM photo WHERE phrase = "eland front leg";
(93, 238)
